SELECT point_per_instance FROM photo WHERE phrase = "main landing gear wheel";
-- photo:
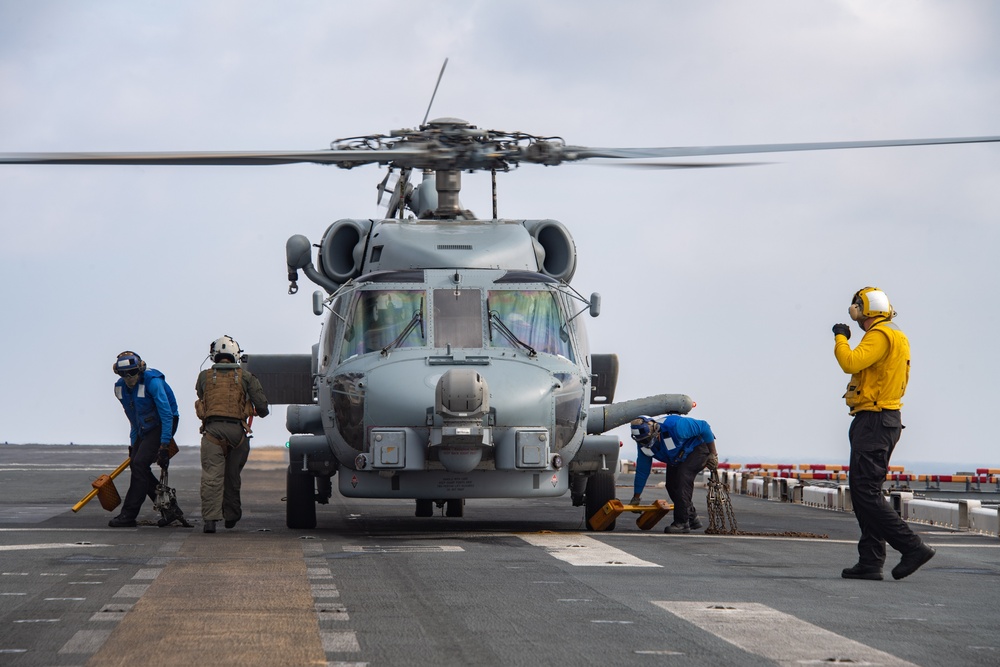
(425, 507)
(600, 489)
(300, 504)
(454, 507)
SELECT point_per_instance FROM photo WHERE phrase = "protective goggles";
(642, 433)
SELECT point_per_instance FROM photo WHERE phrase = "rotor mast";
(448, 183)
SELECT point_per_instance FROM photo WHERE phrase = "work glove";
(636, 500)
(843, 330)
(163, 456)
(713, 462)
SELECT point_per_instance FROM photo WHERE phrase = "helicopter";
(452, 361)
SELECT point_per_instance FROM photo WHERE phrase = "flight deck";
(514, 581)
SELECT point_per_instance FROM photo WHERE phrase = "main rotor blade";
(450, 151)
(675, 165)
(584, 153)
(340, 157)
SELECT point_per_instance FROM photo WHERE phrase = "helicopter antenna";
(441, 74)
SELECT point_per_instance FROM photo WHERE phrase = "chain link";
(722, 518)
(720, 508)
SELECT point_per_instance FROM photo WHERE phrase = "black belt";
(228, 420)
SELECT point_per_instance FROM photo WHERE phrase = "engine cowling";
(342, 250)
(559, 251)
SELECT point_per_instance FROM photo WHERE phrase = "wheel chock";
(604, 516)
(649, 515)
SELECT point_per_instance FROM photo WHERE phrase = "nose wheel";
(600, 489)
(300, 500)
(452, 507)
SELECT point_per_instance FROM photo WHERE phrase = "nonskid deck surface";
(512, 581)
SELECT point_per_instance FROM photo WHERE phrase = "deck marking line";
(53, 545)
(763, 631)
(85, 641)
(131, 591)
(148, 573)
(339, 641)
(583, 551)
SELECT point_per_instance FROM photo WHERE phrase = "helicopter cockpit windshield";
(381, 320)
(458, 318)
(529, 319)
(384, 318)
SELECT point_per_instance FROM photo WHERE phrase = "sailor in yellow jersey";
(879, 368)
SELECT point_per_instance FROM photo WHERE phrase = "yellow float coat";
(879, 368)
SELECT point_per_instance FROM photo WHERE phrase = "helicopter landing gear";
(454, 507)
(425, 507)
(577, 489)
(300, 503)
(600, 489)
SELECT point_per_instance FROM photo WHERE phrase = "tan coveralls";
(224, 443)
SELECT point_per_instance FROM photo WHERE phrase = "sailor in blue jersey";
(151, 409)
(687, 446)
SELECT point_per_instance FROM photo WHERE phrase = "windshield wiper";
(417, 318)
(508, 334)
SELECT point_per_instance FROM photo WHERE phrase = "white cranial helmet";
(224, 346)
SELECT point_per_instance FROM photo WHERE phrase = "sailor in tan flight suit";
(228, 396)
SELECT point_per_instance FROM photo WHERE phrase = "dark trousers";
(873, 437)
(680, 483)
(143, 483)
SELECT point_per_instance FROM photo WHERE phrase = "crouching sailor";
(151, 409)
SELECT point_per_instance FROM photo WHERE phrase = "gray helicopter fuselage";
(452, 363)
(512, 412)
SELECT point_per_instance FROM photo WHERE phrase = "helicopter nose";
(461, 398)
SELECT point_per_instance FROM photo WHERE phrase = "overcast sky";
(722, 283)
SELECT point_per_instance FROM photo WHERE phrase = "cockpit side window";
(533, 317)
(458, 318)
(379, 318)
(333, 331)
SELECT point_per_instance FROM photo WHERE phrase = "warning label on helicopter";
(455, 484)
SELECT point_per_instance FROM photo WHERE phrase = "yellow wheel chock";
(649, 515)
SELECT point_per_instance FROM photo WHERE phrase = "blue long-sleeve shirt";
(678, 437)
(149, 402)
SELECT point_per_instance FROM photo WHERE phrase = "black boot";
(121, 521)
(859, 571)
(912, 561)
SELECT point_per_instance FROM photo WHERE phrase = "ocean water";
(910, 467)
